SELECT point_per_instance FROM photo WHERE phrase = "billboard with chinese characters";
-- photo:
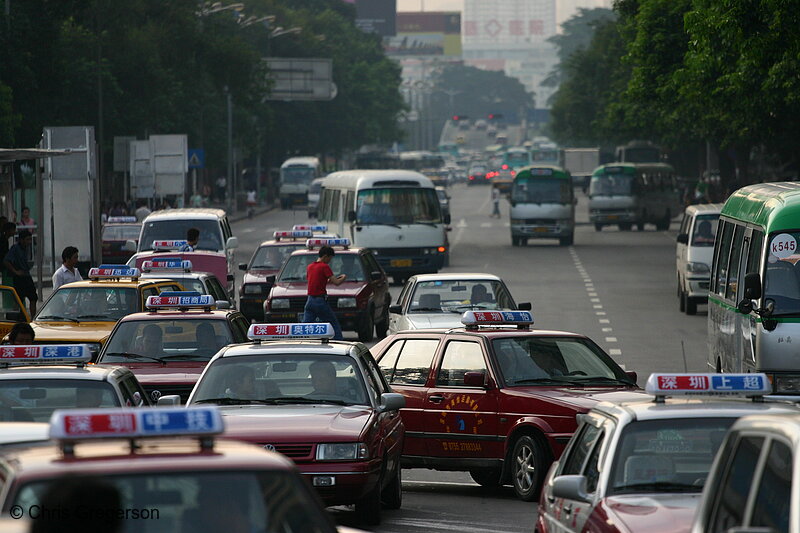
(429, 33)
(507, 22)
(376, 16)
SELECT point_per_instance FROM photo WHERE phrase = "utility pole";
(231, 190)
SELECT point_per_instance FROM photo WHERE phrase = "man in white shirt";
(68, 271)
(142, 211)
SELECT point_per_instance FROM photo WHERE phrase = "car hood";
(292, 289)
(295, 423)
(655, 513)
(257, 276)
(173, 373)
(49, 332)
(581, 398)
(433, 320)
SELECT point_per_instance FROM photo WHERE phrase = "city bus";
(420, 160)
(633, 193)
(396, 213)
(542, 205)
(754, 293)
(297, 173)
(545, 153)
(638, 152)
(517, 158)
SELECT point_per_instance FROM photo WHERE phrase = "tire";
(367, 330)
(523, 241)
(566, 241)
(625, 226)
(392, 496)
(514, 241)
(368, 508)
(681, 301)
(640, 226)
(691, 306)
(663, 224)
(527, 468)
(383, 326)
(598, 226)
(486, 477)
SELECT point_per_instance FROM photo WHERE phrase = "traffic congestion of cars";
(217, 409)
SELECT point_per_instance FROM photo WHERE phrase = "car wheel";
(626, 226)
(368, 508)
(691, 306)
(393, 493)
(367, 328)
(486, 477)
(681, 300)
(527, 468)
(566, 241)
(598, 226)
(640, 226)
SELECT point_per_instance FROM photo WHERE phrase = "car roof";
(499, 331)
(786, 425)
(685, 407)
(337, 249)
(88, 372)
(284, 241)
(175, 314)
(187, 212)
(288, 347)
(457, 276)
(122, 282)
(178, 275)
(703, 209)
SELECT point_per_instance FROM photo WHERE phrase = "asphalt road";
(617, 287)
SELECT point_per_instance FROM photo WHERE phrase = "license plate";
(400, 262)
(612, 217)
(540, 230)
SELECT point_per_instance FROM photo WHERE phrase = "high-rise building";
(511, 35)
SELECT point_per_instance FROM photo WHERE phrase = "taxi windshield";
(611, 185)
(88, 304)
(121, 232)
(295, 268)
(667, 455)
(34, 400)
(205, 502)
(282, 379)
(272, 257)
(175, 230)
(165, 340)
(531, 360)
(457, 296)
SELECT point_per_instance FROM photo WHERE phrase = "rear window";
(121, 233)
(34, 400)
(704, 231)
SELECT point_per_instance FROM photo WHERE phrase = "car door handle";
(436, 398)
(551, 499)
(568, 509)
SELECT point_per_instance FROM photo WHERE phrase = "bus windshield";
(412, 205)
(542, 191)
(297, 174)
(545, 155)
(518, 159)
(781, 282)
(611, 185)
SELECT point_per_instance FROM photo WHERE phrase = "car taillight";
(472, 177)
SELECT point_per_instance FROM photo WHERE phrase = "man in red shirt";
(319, 273)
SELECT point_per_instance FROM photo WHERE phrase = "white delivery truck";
(581, 162)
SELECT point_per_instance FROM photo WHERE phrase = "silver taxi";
(641, 466)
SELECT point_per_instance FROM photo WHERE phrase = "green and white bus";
(542, 205)
(754, 294)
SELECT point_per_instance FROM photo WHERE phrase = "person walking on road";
(68, 271)
(16, 261)
(142, 211)
(8, 231)
(319, 274)
(495, 202)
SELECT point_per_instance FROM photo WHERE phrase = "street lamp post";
(230, 183)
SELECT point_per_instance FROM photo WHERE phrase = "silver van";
(694, 254)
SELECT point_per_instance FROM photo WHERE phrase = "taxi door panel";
(460, 420)
(11, 310)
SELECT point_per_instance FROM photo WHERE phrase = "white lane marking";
(605, 321)
(587, 281)
(615, 351)
(600, 313)
(611, 339)
(598, 306)
(247, 230)
(461, 223)
(594, 300)
(429, 525)
(486, 224)
(608, 330)
(593, 294)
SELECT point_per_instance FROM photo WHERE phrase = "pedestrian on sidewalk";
(142, 211)
(319, 274)
(8, 231)
(16, 261)
(495, 202)
(68, 271)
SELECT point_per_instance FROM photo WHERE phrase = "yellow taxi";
(86, 311)
(11, 310)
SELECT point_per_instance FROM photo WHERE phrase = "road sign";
(300, 79)
(197, 158)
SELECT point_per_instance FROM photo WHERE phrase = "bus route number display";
(783, 245)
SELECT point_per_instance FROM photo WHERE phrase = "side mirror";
(351, 216)
(376, 276)
(752, 286)
(524, 306)
(222, 304)
(683, 238)
(446, 218)
(745, 306)
(392, 401)
(243, 267)
(571, 488)
(633, 375)
(395, 309)
(169, 399)
(232, 243)
(130, 246)
(474, 379)
(271, 279)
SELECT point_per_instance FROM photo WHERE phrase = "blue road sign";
(197, 158)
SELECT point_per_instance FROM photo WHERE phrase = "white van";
(694, 254)
(396, 213)
(297, 173)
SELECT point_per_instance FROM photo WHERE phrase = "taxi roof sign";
(169, 245)
(113, 271)
(167, 264)
(742, 385)
(121, 220)
(473, 319)
(89, 424)
(274, 332)
(293, 234)
(180, 300)
(56, 354)
(305, 227)
(320, 242)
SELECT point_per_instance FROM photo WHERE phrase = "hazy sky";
(430, 5)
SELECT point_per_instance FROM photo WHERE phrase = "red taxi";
(497, 401)
(168, 347)
(322, 403)
(169, 472)
(117, 231)
(361, 303)
(267, 261)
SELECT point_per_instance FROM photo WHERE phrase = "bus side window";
(735, 262)
(722, 258)
(323, 205)
(349, 202)
(755, 253)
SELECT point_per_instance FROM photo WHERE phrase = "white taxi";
(641, 466)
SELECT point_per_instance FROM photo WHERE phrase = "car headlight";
(253, 288)
(346, 302)
(785, 384)
(697, 268)
(280, 303)
(348, 451)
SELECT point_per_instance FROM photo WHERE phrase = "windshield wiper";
(104, 317)
(378, 224)
(549, 380)
(56, 317)
(128, 355)
(304, 399)
(604, 379)
(290, 279)
(187, 356)
(436, 309)
(232, 401)
(659, 486)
